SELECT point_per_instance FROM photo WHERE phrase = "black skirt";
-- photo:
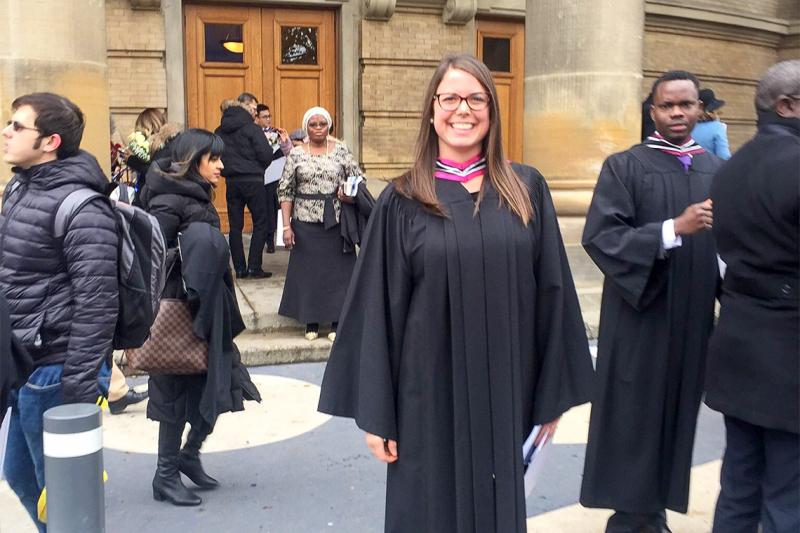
(317, 276)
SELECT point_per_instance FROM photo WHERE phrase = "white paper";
(274, 170)
(534, 471)
(4, 439)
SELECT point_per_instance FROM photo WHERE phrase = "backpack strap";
(10, 188)
(69, 207)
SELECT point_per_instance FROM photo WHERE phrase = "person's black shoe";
(130, 398)
(241, 274)
(271, 248)
(258, 274)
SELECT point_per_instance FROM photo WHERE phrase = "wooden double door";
(285, 57)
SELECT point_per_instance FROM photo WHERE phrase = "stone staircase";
(270, 338)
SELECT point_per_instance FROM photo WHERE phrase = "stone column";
(57, 46)
(583, 83)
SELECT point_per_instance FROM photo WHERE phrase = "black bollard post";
(73, 469)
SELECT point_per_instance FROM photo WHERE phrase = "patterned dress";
(305, 173)
(319, 272)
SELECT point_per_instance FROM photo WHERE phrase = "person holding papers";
(311, 195)
(461, 329)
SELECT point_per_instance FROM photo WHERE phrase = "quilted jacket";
(62, 295)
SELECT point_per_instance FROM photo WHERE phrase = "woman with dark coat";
(179, 192)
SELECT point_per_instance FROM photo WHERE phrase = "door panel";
(501, 45)
(214, 75)
(297, 95)
(301, 70)
(288, 62)
(504, 101)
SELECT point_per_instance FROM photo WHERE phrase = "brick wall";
(728, 59)
(136, 74)
(397, 60)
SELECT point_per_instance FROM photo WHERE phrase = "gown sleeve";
(564, 370)
(360, 379)
(627, 252)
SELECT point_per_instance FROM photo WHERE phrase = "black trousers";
(252, 195)
(760, 480)
(622, 522)
(273, 208)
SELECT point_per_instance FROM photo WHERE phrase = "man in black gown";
(647, 231)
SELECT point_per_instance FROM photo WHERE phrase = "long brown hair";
(418, 183)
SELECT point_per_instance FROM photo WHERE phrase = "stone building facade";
(587, 66)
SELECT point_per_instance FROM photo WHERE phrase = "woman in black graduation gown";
(461, 328)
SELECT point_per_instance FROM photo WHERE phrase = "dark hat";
(297, 135)
(710, 102)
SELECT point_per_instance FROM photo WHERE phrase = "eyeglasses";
(317, 125)
(16, 126)
(452, 101)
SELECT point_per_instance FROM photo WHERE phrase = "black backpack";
(142, 255)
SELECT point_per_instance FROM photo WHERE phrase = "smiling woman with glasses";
(462, 329)
(310, 192)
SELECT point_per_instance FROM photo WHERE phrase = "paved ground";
(286, 469)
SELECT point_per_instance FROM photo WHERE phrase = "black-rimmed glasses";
(16, 126)
(452, 101)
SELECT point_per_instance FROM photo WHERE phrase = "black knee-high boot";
(167, 483)
(189, 460)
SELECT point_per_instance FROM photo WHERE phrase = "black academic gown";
(216, 319)
(457, 336)
(655, 318)
(15, 362)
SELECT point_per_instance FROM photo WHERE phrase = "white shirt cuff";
(668, 238)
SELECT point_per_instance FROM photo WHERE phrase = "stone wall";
(397, 60)
(727, 44)
(136, 74)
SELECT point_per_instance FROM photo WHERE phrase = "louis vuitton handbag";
(172, 348)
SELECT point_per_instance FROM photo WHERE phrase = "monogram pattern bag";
(172, 348)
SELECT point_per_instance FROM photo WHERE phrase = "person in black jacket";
(753, 374)
(247, 155)
(179, 192)
(62, 293)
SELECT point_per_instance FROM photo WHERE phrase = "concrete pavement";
(285, 468)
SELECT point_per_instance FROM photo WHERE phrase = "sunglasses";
(317, 125)
(16, 126)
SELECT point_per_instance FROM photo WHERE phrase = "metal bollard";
(73, 469)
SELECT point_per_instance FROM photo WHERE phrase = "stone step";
(279, 348)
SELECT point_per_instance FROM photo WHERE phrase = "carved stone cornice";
(146, 4)
(379, 9)
(459, 11)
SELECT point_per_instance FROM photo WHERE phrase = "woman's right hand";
(288, 237)
(384, 450)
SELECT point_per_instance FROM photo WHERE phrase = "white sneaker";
(311, 335)
(332, 336)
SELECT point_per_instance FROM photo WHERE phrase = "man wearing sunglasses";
(61, 292)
